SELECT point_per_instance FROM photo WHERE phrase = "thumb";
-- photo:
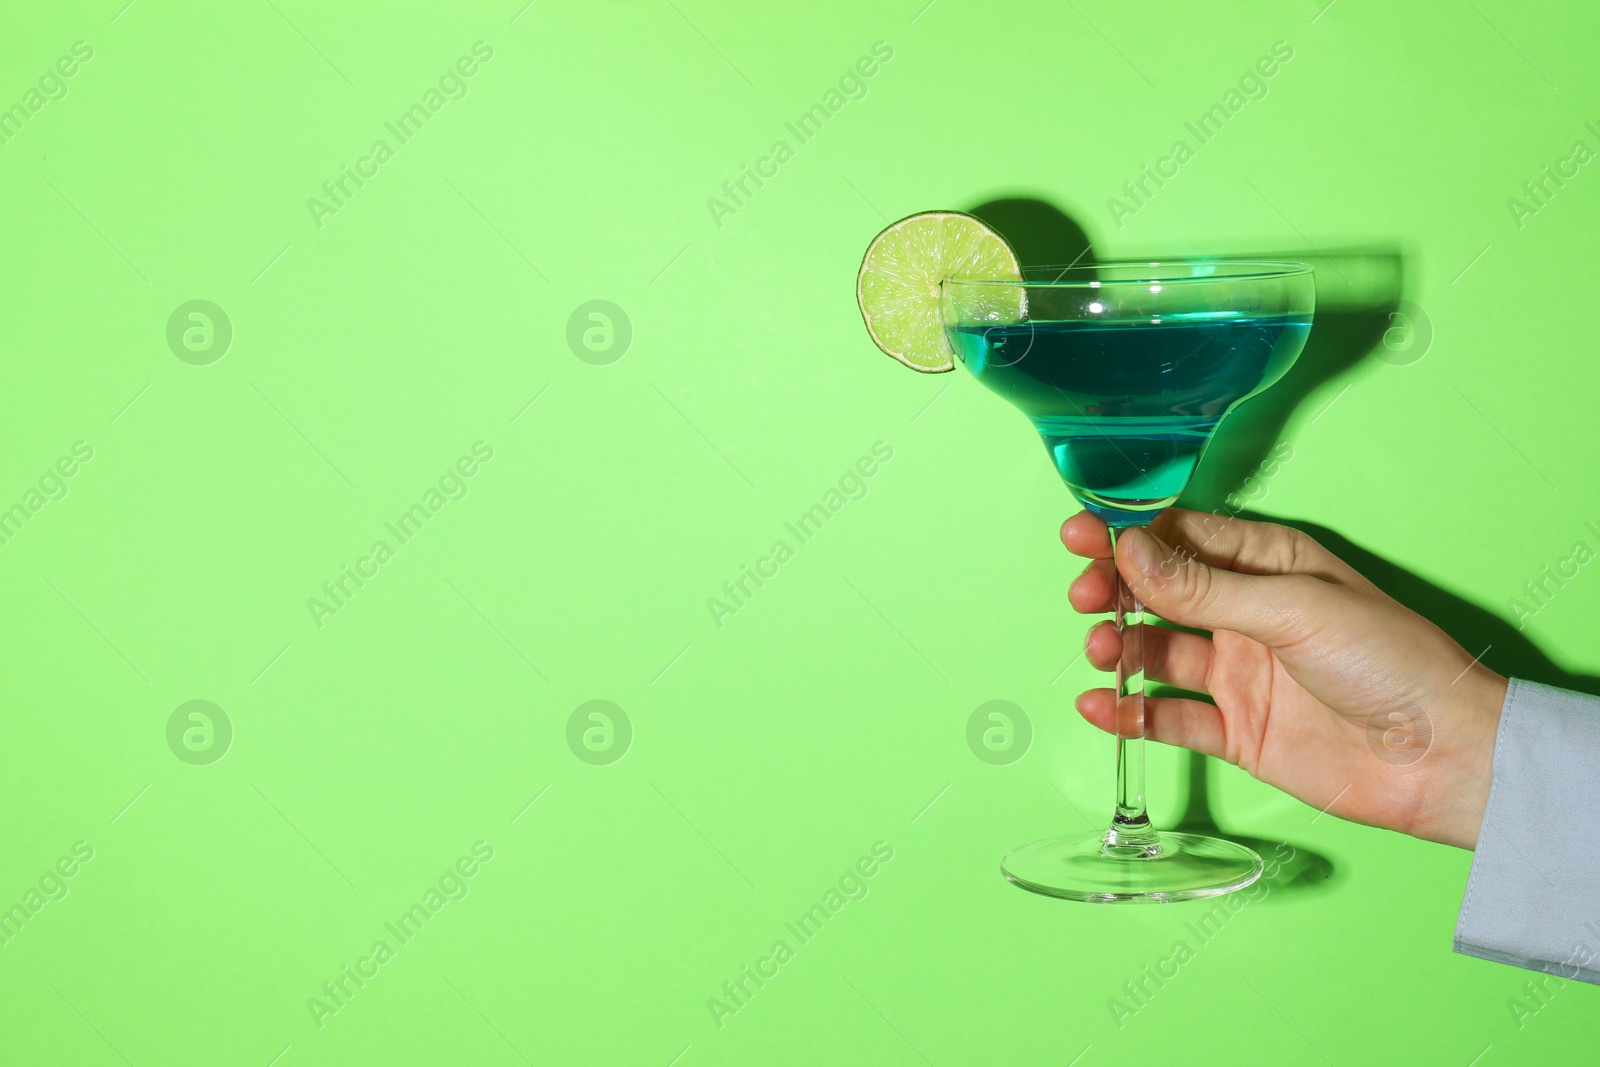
(1181, 588)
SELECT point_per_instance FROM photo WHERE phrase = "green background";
(768, 754)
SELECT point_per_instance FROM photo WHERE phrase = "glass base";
(1184, 867)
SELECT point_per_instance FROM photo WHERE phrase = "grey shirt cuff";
(1533, 897)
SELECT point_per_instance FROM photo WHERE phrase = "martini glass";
(1126, 370)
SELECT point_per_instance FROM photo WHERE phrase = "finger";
(1085, 535)
(1171, 657)
(1177, 585)
(1191, 724)
(1091, 592)
(1102, 646)
(1249, 547)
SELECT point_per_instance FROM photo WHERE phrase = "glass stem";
(1131, 836)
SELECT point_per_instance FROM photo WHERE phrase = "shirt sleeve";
(1533, 897)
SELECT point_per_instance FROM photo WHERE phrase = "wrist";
(1460, 765)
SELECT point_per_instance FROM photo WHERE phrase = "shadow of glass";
(1359, 292)
(1038, 232)
(1291, 867)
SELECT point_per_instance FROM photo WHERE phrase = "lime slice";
(898, 287)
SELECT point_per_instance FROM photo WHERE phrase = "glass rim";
(1162, 271)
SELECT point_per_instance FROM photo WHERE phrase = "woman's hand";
(1322, 685)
